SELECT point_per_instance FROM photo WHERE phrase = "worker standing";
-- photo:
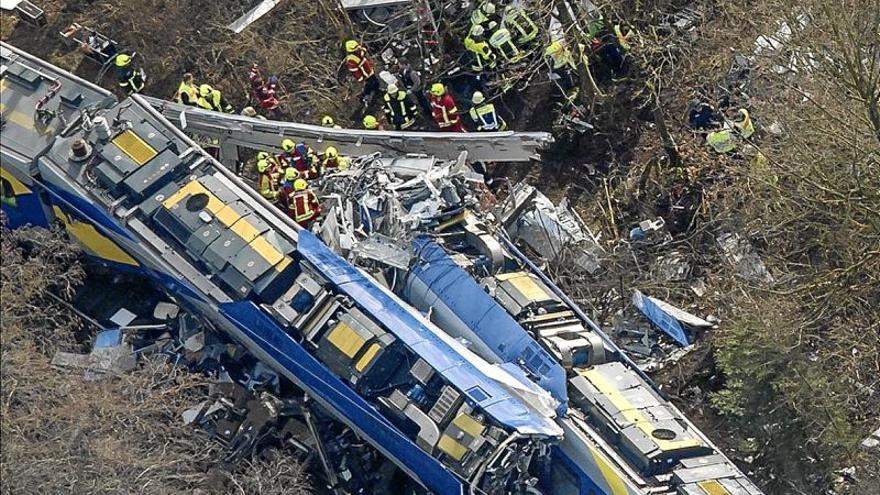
(361, 68)
(522, 24)
(332, 160)
(211, 99)
(502, 42)
(562, 66)
(371, 123)
(482, 56)
(411, 82)
(131, 80)
(445, 111)
(484, 13)
(399, 108)
(267, 182)
(302, 158)
(187, 93)
(484, 115)
(304, 207)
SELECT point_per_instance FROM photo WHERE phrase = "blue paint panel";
(664, 321)
(348, 406)
(27, 210)
(414, 333)
(587, 485)
(486, 318)
(84, 207)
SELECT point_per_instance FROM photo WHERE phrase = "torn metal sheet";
(741, 254)
(385, 250)
(251, 16)
(371, 4)
(658, 315)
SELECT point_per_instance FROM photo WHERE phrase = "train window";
(6, 194)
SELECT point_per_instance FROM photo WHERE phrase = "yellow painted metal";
(95, 242)
(345, 339)
(611, 476)
(367, 357)
(713, 487)
(468, 425)
(18, 187)
(526, 285)
(632, 414)
(266, 250)
(136, 148)
(451, 447)
(245, 230)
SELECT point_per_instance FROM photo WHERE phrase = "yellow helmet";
(205, 90)
(331, 152)
(437, 89)
(288, 145)
(122, 60)
(262, 156)
(300, 185)
(351, 45)
(327, 121)
(262, 165)
(553, 48)
(370, 122)
(291, 174)
(478, 98)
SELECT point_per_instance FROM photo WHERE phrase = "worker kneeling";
(332, 160)
(303, 207)
(484, 115)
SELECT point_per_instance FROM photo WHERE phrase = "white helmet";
(478, 98)
(392, 89)
(477, 30)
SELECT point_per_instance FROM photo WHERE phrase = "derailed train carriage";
(539, 403)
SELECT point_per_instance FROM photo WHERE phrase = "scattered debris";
(251, 16)
(741, 254)
(872, 442)
(668, 318)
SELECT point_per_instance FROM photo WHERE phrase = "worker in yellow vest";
(187, 93)
(524, 28)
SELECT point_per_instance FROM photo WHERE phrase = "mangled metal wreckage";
(430, 347)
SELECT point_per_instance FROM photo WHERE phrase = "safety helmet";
(351, 45)
(370, 122)
(300, 185)
(249, 112)
(262, 155)
(553, 48)
(331, 152)
(741, 115)
(122, 60)
(205, 90)
(392, 89)
(287, 145)
(291, 174)
(477, 30)
(489, 8)
(327, 121)
(478, 98)
(262, 165)
(437, 89)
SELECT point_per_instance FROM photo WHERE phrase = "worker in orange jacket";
(304, 207)
(361, 68)
(444, 109)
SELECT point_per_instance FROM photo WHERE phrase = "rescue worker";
(482, 56)
(721, 140)
(286, 188)
(332, 160)
(562, 65)
(502, 42)
(522, 24)
(399, 108)
(484, 115)
(304, 159)
(304, 207)
(267, 182)
(445, 111)
(187, 93)
(131, 80)
(483, 14)
(371, 123)
(327, 121)
(411, 82)
(211, 99)
(287, 146)
(361, 68)
(743, 123)
(701, 115)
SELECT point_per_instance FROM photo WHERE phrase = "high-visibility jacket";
(622, 38)
(522, 24)
(487, 118)
(186, 94)
(482, 54)
(400, 109)
(359, 65)
(129, 79)
(304, 207)
(268, 184)
(745, 128)
(338, 163)
(502, 41)
(444, 110)
(721, 141)
(215, 101)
